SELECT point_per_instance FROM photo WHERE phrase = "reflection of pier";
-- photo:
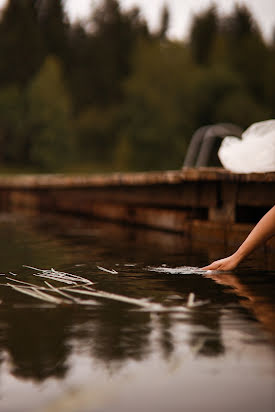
(208, 204)
(39, 341)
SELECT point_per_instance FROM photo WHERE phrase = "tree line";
(108, 93)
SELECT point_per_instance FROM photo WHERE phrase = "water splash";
(180, 270)
(82, 286)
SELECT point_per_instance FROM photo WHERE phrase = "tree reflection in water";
(40, 339)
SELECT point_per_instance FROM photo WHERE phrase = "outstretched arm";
(264, 230)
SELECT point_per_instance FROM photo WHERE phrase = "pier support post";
(226, 200)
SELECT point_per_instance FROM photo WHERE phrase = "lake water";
(114, 356)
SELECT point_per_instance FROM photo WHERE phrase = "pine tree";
(164, 23)
(50, 140)
(203, 32)
(115, 35)
(81, 68)
(240, 24)
(54, 26)
(21, 45)
(247, 50)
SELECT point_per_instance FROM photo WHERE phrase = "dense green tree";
(268, 82)
(82, 68)
(97, 130)
(213, 86)
(159, 110)
(35, 123)
(202, 35)
(248, 54)
(100, 54)
(21, 44)
(240, 108)
(54, 26)
(115, 34)
(50, 127)
(240, 24)
(13, 124)
(164, 23)
(118, 95)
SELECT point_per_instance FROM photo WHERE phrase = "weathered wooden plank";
(206, 204)
(132, 179)
(190, 194)
(24, 200)
(165, 219)
(256, 194)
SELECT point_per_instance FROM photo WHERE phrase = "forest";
(109, 94)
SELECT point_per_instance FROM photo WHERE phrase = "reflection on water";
(116, 357)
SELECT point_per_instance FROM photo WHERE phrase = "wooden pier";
(207, 204)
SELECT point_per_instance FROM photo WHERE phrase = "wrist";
(239, 255)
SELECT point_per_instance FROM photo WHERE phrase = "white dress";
(254, 152)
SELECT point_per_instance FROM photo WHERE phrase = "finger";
(210, 267)
(213, 266)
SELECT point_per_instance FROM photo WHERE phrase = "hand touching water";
(263, 231)
(228, 263)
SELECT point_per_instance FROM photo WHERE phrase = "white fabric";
(254, 152)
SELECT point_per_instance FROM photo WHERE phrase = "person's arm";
(264, 230)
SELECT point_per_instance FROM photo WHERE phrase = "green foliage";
(240, 25)
(35, 123)
(13, 124)
(268, 83)
(213, 85)
(164, 23)
(49, 117)
(115, 34)
(110, 94)
(53, 26)
(21, 45)
(240, 108)
(97, 130)
(159, 108)
(203, 32)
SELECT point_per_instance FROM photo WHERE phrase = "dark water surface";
(117, 357)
